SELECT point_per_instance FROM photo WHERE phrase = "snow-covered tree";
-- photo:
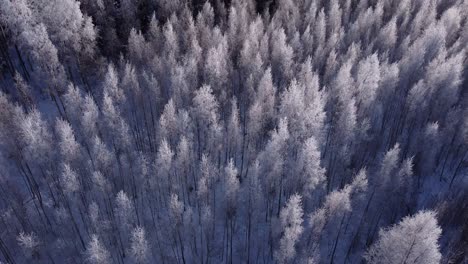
(282, 56)
(205, 113)
(35, 135)
(136, 46)
(69, 179)
(139, 245)
(111, 85)
(216, 66)
(29, 243)
(124, 210)
(367, 81)
(89, 116)
(262, 110)
(389, 164)
(96, 252)
(311, 171)
(413, 240)
(68, 146)
(168, 121)
(291, 223)
(73, 101)
(164, 158)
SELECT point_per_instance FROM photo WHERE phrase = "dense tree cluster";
(179, 131)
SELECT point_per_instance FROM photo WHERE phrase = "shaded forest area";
(177, 131)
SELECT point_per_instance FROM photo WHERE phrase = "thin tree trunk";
(336, 240)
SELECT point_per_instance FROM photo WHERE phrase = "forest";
(234, 131)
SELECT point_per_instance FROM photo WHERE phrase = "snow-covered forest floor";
(242, 131)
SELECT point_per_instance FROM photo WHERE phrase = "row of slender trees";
(158, 131)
